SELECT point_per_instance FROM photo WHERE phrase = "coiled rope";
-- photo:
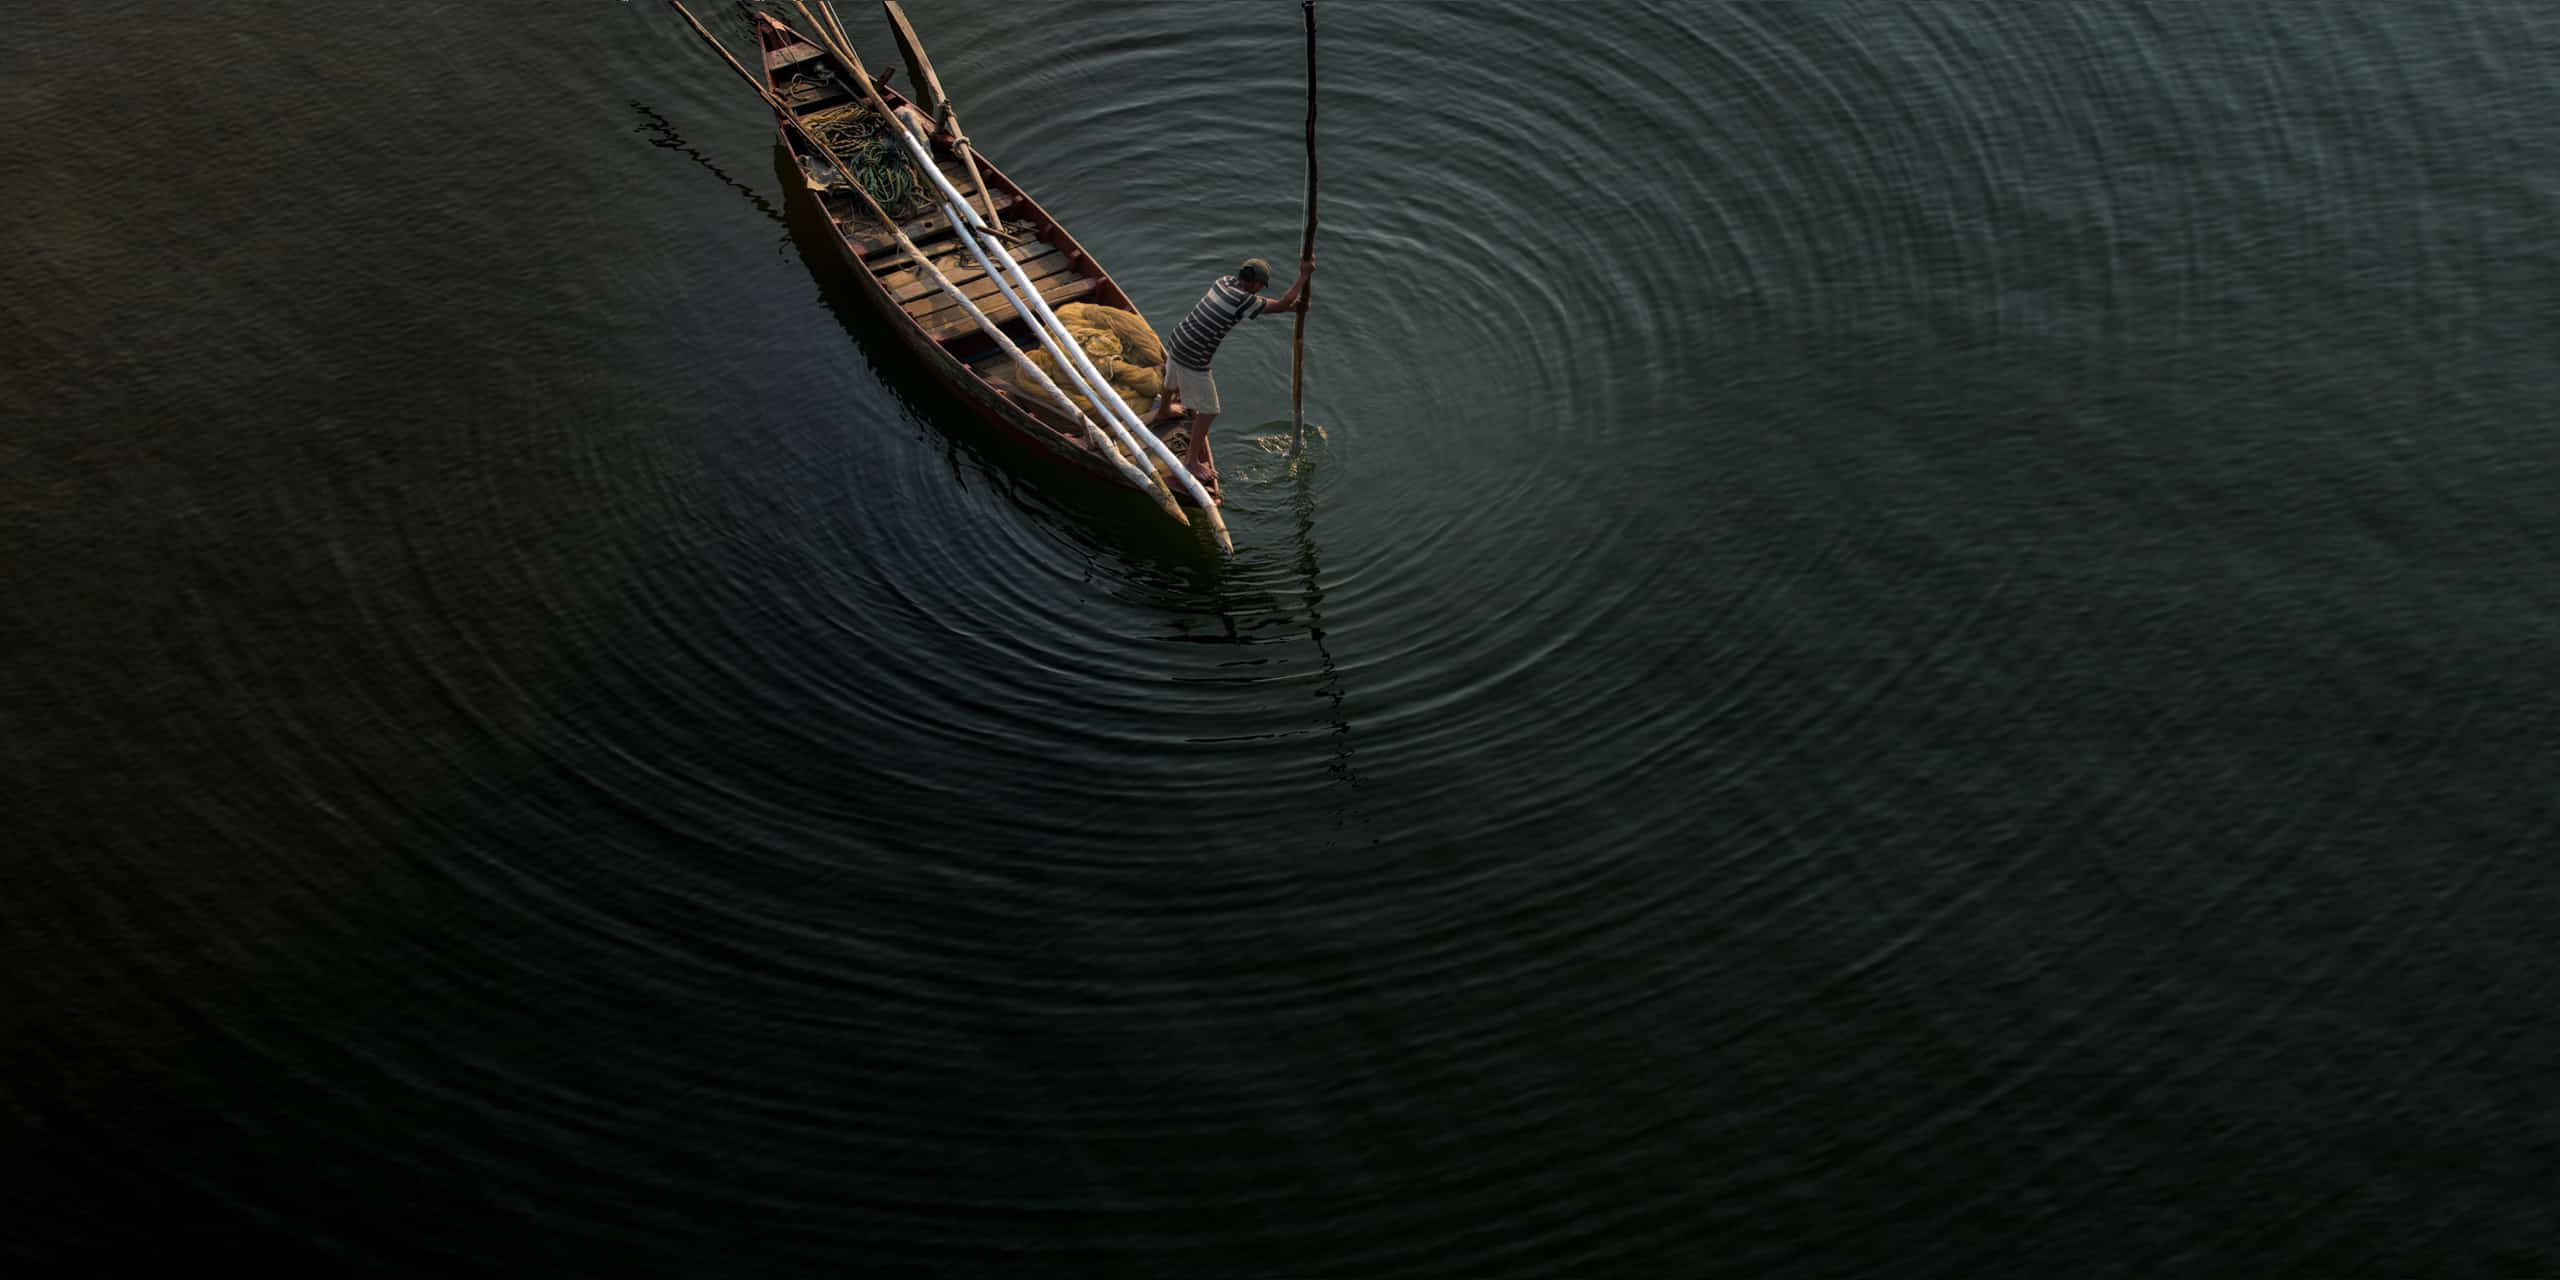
(861, 137)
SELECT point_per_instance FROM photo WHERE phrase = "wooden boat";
(807, 78)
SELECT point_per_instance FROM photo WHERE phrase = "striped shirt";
(1196, 339)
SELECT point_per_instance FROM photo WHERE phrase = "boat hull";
(1038, 439)
(982, 401)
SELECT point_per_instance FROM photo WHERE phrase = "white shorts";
(1199, 391)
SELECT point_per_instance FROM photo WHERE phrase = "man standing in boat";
(1231, 300)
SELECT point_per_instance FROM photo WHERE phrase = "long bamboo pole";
(1093, 435)
(1306, 250)
(1061, 342)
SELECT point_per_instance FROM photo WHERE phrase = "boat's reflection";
(662, 134)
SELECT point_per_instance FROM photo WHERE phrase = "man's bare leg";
(1201, 465)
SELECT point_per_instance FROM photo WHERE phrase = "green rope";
(879, 163)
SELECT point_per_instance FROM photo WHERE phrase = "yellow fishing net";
(1120, 344)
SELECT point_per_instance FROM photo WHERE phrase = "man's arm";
(1295, 298)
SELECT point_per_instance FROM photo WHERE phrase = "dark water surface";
(1923, 641)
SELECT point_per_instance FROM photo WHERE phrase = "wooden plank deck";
(1060, 291)
(930, 307)
(792, 55)
(950, 256)
(904, 282)
(873, 244)
(909, 286)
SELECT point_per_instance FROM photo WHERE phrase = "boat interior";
(808, 79)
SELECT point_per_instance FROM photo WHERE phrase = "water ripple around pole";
(1876, 589)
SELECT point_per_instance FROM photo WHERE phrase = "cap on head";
(1254, 272)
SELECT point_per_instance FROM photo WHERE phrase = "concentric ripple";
(1913, 639)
